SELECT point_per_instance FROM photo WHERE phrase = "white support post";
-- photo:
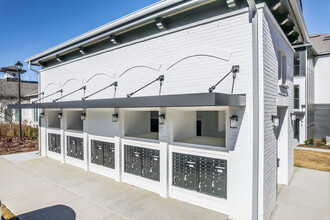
(43, 133)
(117, 159)
(163, 152)
(117, 127)
(86, 142)
(63, 139)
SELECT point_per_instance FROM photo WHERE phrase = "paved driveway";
(32, 183)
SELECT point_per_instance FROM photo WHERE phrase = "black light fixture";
(161, 119)
(42, 114)
(276, 120)
(83, 116)
(233, 121)
(293, 117)
(115, 117)
(115, 39)
(59, 115)
(161, 24)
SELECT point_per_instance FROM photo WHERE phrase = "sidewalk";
(37, 183)
(307, 197)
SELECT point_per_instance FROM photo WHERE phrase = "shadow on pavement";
(50, 213)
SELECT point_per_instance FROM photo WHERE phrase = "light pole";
(19, 68)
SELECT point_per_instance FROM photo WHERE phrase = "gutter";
(39, 94)
(253, 17)
(136, 19)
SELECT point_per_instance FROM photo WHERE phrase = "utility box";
(75, 147)
(142, 162)
(103, 153)
(202, 174)
(54, 142)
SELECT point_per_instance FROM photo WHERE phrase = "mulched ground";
(12, 146)
(314, 146)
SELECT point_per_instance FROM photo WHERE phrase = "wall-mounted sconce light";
(59, 115)
(83, 116)
(233, 121)
(161, 24)
(115, 117)
(276, 120)
(42, 114)
(115, 39)
(161, 118)
(293, 117)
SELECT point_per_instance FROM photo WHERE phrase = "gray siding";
(322, 120)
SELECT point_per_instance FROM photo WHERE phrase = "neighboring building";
(312, 88)
(224, 147)
(9, 95)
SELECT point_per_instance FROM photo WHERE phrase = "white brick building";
(216, 147)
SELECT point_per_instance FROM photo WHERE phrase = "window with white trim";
(281, 57)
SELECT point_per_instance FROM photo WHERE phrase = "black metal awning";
(182, 100)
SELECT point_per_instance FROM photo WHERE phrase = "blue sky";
(31, 26)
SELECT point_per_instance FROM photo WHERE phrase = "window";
(8, 115)
(35, 115)
(281, 67)
(17, 115)
(296, 97)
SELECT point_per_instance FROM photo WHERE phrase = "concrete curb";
(312, 149)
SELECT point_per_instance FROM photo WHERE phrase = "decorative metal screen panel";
(142, 162)
(103, 153)
(75, 147)
(202, 174)
(54, 142)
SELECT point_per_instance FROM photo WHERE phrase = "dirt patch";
(6, 213)
(312, 160)
(12, 145)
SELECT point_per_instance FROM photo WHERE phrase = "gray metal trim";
(255, 155)
(182, 100)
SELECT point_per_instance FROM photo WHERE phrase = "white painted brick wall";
(232, 34)
(271, 41)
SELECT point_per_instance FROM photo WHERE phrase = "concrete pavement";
(307, 197)
(32, 182)
(37, 183)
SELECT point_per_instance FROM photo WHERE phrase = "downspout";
(39, 135)
(253, 17)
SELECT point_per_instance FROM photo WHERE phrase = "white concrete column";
(118, 156)
(63, 139)
(86, 142)
(43, 136)
(163, 152)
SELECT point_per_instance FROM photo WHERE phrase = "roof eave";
(126, 19)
